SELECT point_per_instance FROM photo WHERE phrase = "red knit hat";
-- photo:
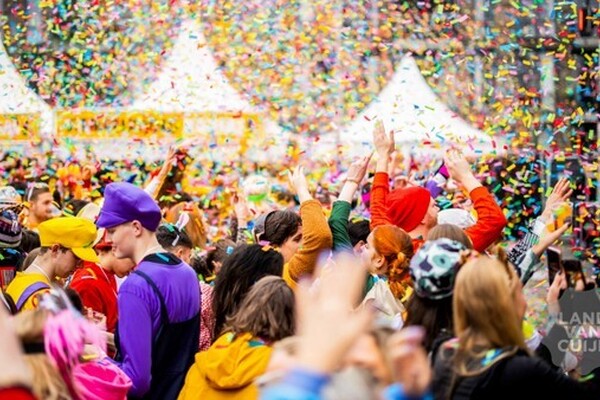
(407, 206)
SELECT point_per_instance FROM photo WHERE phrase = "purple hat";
(124, 202)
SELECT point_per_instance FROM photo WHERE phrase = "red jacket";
(98, 291)
(16, 393)
(490, 218)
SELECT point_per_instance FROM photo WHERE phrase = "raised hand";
(299, 184)
(240, 207)
(460, 169)
(384, 145)
(327, 325)
(358, 169)
(410, 363)
(560, 194)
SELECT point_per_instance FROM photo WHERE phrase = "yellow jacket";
(227, 369)
(21, 282)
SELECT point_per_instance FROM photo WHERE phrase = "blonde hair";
(485, 316)
(47, 381)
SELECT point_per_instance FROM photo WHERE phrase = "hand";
(384, 144)
(560, 193)
(560, 283)
(460, 170)
(326, 323)
(410, 363)
(549, 238)
(13, 368)
(240, 207)
(358, 169)
(299, 184)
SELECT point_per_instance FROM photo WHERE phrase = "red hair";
(396, 247)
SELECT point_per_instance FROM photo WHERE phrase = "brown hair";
(452, 232)
(395, 246)
(267, 312)
(195, 228)
(279, 226)
(484, 308)
(47, 381)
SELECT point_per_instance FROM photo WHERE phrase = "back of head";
(29, 240)
(47, 380)
(407, 207)
(223, 248)
(452, 232)
(267, 311)
(484, 304)
(359, 231)
(395, 245)
(194, 228)
(170, 236)
(456, 216)
(242, 269)
(279, 226)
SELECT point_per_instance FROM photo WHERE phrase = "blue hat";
(124, 202)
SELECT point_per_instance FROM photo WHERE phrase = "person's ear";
(54, 249)
(137, 228)
(379, 262)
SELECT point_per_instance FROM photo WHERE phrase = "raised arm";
(384, 146)
(340, 212)
(490, 218)
(316, 235)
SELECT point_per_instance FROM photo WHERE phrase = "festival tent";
(16, 99)
(422, 123)
(192, 83)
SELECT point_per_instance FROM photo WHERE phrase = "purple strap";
(30, 291)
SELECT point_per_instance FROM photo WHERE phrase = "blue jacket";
(301, 384)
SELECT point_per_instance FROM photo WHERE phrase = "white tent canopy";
(15, 96)
(190, 79)
(421, 121)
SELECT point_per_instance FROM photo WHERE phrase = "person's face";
(121, 267)
(65, 262)
(122, 238)
(520, 302)
(366, 354)
(431, 217)
(41, 208)
(291, 245)
(370, 257)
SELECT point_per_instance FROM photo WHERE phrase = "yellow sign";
(98, 124)
(19, 126)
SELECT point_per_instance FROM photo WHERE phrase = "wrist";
(382, 165)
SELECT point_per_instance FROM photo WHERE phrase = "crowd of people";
(118, 288)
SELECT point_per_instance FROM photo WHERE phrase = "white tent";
(421, 121)
(190, 79)
(17, 98)
(192, 83)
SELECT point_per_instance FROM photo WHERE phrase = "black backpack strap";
(164, 316)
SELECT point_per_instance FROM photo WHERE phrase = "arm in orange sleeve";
(379, 193)
(316, 237)
(490, 219)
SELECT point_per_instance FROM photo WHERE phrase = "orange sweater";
(316, 237)
(490, 218)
